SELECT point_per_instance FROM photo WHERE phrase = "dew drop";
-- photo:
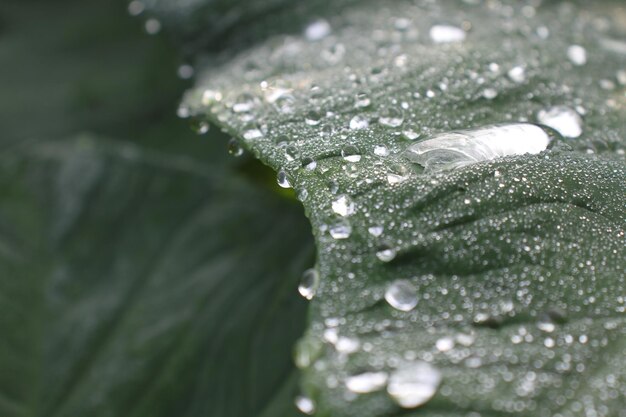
(153, 26)
(252, 133)
(457, 149)
(291, 153)
(347, 345)
(309, 164)
(305, 405)
(309, 283)
(201, 127)
(343, 206)
(367, 382)
(282, 180)
(376, 231)
(517, 74)
(446, 34)
(381, 150)
(414, 385)
(136, 7)
(390, 116)
(577, 55)
(313, 118)
(386, 253)
(410, 134)
(244, 103)
(351, 153)
(490, 93)
(362, 100)
(563, 119)
(444, 344)
(359, 122)
(234, 147)
(317, 30)
(401, 295)
(303, 195)
(340, 230)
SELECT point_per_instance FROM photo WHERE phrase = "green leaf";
(512, 269)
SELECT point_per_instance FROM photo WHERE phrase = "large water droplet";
(366, 382)
(308, 283)
(446, 34)
(401, 295)
(414, 385)
(563, 119)
(452, 150)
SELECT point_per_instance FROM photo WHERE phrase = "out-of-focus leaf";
(133, 284)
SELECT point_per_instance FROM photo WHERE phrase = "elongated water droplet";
(563, 119)
(309, 283)
(351, 153)
(446, 34)
(414, 385)
(457, 149)
(305, 405)
(367, 382)
(343, 206)
(401, 295)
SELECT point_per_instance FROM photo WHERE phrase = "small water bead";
(347, 345)
(282, 180)
(313, 118)
(340, 230)
(210, 97)
(359, 122)
(563, 119)
(444, 344)
(452, 150)
(201, 127)
(291, 153)
(252, 133)
(410, 134)
(136, 7)
(517, 74)
(343, 206)
(375, 231)
(317, 30)
(390, 116)
(577, 55)
(362, 100)
(401, 295)
(302, 195)
(234, 147)
(446, 34)
(244, 103)
(351, 153)
(309, 164)
(386, 253)
(490, 93)
(367, 382)
(153, 26)
(381, 150)
(185, 71)
(309, 283)
(305, 405)
(414, 385)
(333, 187)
